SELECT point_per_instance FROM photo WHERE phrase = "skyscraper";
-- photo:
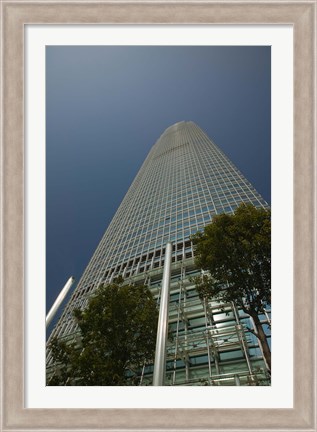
(184, 181)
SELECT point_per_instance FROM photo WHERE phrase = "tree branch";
(253, 332)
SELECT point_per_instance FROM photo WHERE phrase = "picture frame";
(15, 16)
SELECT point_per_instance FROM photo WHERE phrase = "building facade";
(184, 181)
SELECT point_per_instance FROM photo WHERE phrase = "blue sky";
(105, 108)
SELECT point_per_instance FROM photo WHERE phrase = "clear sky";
(105, 108)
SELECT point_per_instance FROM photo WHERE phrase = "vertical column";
(59, 300)
(177, 330)
(207, 337)
(162, 328)
(240, 334)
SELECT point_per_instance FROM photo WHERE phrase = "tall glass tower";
(184, 181)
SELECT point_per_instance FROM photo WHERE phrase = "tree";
(117, 335)
(235, 250)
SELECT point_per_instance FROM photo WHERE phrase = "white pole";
(59, 300)
(162, 328)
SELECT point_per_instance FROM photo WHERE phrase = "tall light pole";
(162, 328)
(59, 300)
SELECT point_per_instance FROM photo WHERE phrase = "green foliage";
(117, 334)
(236, 252)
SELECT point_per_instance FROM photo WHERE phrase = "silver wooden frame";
(300, 14)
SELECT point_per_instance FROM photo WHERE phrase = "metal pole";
(59, 300)
(240, 333)
(207, 338)
(177, 331)
(162, 328)
(237, 380)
